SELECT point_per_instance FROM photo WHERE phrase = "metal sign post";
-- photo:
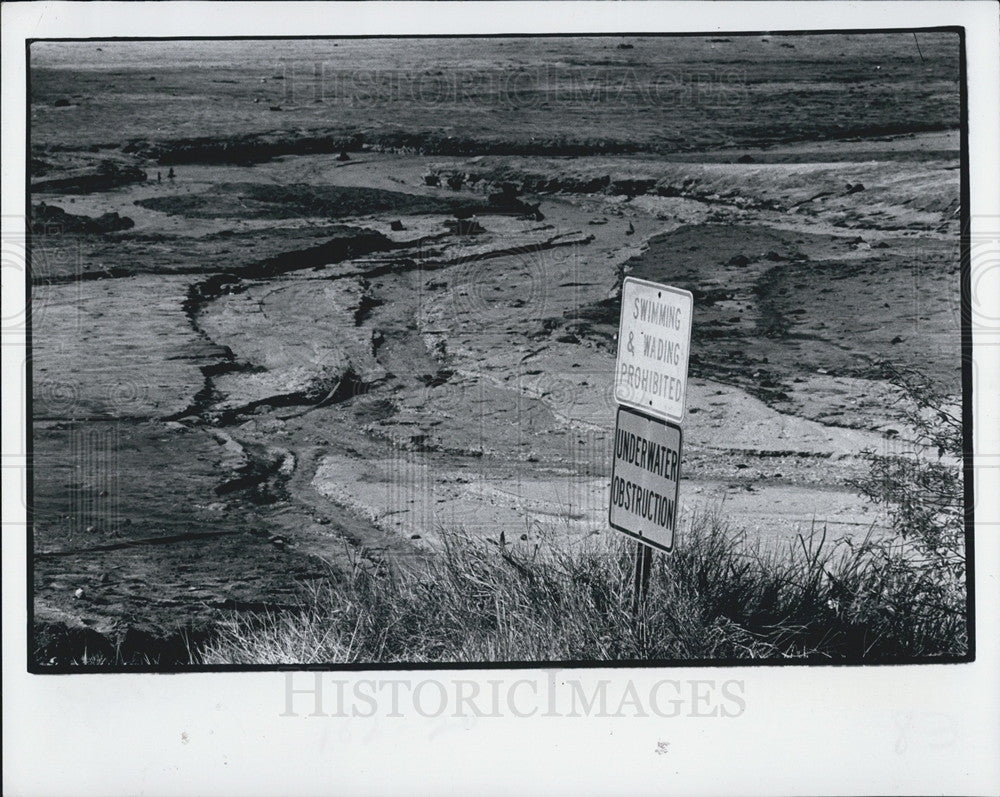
(654, 342)
(640, 583)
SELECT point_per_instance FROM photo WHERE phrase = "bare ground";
(234, 401)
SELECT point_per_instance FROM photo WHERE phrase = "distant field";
(661, 94)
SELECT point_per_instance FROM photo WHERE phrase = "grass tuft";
(718, 596)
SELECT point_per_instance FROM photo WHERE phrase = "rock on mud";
(48, 218)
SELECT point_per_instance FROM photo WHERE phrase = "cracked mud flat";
(295, 361)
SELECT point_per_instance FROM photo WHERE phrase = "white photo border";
(806, 730)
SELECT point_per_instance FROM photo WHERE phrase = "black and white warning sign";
(645, 478)
(654, 344)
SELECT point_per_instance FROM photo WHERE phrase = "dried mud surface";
(296, 359)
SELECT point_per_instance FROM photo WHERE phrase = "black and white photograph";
(355, 350)
(329, 335)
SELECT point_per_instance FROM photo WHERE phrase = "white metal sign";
(645, 478)
(654, 342)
